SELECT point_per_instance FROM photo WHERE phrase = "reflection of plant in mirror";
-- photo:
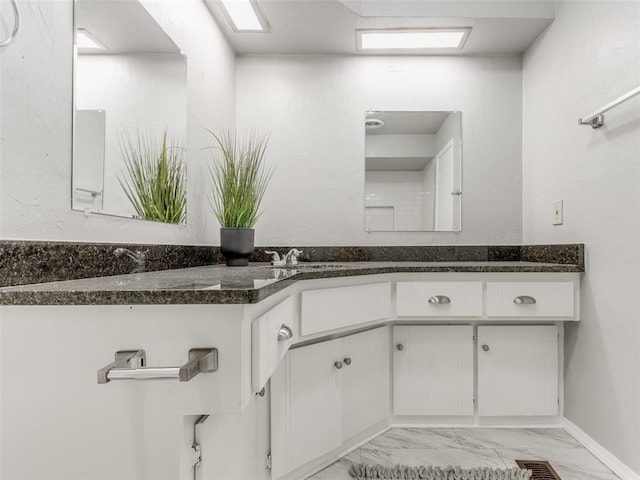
(239, 178)
(155, 180)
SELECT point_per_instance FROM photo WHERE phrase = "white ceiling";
(407, 123)
(123, 26)
(500, 27)
(403, 123)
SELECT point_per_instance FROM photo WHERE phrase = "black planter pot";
(236, 245)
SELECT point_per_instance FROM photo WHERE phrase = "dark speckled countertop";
(218, 284)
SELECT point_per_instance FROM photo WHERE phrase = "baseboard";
(598, 451)
(426, 421)
(314, 466)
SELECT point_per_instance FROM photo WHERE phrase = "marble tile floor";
(474, 447)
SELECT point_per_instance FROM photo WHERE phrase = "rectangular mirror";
(130, 114)
(413, 169)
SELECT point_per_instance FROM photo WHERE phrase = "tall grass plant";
(154, 179)
(239, 177)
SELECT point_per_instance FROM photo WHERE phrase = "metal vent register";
(541, 470)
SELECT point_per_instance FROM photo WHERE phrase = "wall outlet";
(557, 212)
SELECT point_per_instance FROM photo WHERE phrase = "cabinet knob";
(485, 348)
(399, 347)
(439, 300)
(338, 364)
(285, 333)
(524, 300)
(347, 361)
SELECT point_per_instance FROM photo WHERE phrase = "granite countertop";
(218, 284)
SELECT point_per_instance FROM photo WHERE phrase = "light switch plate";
(557, 212)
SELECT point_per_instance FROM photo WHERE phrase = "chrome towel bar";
(596, 119)
(130, 365)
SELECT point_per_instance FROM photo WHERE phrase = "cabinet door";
(365, 380)
(517, 370)
(433, 370)
(267, 347)
(305, 402)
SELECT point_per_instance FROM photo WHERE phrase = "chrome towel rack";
(130, 365)
(596, 119)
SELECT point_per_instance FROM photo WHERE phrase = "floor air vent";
(542, 470)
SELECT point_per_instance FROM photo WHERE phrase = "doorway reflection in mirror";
(413, 170)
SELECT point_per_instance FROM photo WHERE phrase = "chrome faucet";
(291, 257)
(138, 257)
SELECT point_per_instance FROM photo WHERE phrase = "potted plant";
(154, 179)
(239, 178)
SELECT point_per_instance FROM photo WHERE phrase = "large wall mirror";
(413, 169)
(130, 118)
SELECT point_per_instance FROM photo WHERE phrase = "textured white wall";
(35, 162)
(314, 107)
(589, 56)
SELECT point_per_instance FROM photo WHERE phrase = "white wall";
(35, 161)
(589, 56)
(314, 107)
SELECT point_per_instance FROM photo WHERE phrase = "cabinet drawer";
(530, 299)
(439, 299)
(332, 308)
(269, 342)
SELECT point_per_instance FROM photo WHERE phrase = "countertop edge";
(34, 297)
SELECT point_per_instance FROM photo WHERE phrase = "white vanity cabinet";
(325, 393)
(346, 358)
(53, 407)
(433, 370)
(518, 370)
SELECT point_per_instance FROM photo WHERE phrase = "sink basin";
(307, 266)
(321, 265)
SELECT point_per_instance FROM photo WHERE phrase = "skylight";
(87, 41)
(411, 40)
(244, 15)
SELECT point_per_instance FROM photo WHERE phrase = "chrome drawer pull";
(439, 300)
(524, 300)
(285, 333)
(130, 365)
